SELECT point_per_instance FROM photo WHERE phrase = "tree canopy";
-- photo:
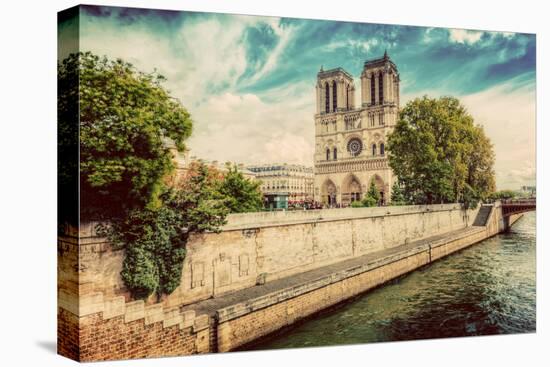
(125, 118)
(439, 154)
(242, 195)
(397, 195)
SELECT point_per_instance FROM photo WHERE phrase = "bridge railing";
(529, 201)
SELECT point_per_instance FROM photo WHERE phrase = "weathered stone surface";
(154, 313)
(114, 307)
(172, 316)
(201, 322)
(134, 311)
(188, 319)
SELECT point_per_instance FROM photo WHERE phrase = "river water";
(486, 289)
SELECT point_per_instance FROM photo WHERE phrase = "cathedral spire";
(385, 53)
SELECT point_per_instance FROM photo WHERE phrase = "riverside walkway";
(250, 299)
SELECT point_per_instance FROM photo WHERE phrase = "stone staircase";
(483, 215)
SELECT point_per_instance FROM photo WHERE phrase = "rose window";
(354, 147)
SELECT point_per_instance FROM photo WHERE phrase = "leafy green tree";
(397, 195)
(439, 154)
(125, 116)
(373, 196)
(242, 195)
(503, 194)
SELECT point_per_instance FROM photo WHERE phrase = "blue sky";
(249, 81)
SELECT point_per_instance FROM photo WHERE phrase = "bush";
(369, 201)
(356, 204)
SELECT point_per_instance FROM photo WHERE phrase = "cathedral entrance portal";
(328, 193)
(379, 183)
(351, 190)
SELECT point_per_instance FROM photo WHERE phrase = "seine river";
(486, 289)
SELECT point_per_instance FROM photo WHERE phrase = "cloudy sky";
(248, 81)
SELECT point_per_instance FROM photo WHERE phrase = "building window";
(334, 99)
(354, 147)
(381, 88)
(372, 89)
(382, 149)
(374, 149)
(335, 154)
(381, 119)
(328, 154)
(327, 98)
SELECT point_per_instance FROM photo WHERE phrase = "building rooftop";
(379, 60)
(279, 167)
(324, 73)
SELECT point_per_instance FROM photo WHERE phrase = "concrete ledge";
(270, 219)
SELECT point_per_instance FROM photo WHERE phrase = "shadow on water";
(486, 289)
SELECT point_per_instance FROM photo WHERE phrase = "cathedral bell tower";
(335, 91)
(380, 88)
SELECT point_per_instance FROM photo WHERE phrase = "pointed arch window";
(334, 98)
(381, 88)
(335, 154)
(327, 98)
(372, 89)
(328, 154)
(374, 149)
(382, 149)
(347, 97)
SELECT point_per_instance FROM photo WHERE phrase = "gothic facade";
(349, 140)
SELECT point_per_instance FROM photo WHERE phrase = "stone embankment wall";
(260, 247)
(98, 320)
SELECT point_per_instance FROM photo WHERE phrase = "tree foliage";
(439, 154)
(125, 116)
(503, 194)
(372, 198)
(242, 195)
(397, 195)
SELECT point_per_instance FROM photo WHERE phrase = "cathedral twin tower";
(349, 140)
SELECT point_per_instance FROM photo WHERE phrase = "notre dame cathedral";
(350, 140)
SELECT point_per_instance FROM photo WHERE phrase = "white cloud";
(464, 36)
(364, 46)
(203, 54)
(509, 118)
(243, 128)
